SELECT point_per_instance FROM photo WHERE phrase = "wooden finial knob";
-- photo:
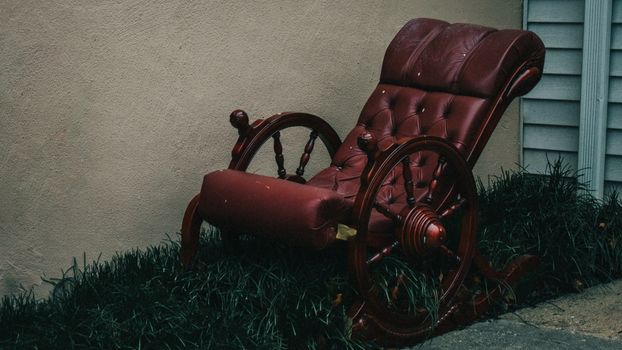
(368, 143)
(239, 120)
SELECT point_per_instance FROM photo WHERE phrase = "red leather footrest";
(247, 203)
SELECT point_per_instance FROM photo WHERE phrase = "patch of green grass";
(269, 296)
(264, 296)
(578, 239)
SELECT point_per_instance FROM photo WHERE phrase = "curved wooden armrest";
(524, 82)
(253, 136)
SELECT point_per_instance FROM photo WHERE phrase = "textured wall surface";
(111, 111)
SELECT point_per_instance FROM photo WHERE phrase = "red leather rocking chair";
(398, 178)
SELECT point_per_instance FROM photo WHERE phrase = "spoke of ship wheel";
(408, 181)
(453, 208)
(453, 258)
(278, 155)
(306, 155)
(386, 211)
(384, 252)
(436, 175)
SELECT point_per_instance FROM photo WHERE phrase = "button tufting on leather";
(392, 102)
(394, 130)
(421, 184)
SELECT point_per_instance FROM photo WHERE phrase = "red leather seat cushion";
(248, 203)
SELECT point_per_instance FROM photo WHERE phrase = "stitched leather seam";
(458, 75)
(423, 44)
(373, 116)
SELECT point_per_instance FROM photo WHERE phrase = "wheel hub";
(422, 231)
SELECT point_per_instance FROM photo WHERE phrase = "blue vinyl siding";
(613, 157)
(551, 112)
(550, 11)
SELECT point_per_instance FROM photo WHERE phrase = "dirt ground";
(597, 312)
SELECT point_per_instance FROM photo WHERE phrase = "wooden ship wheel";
(420, 239)
(251, 139)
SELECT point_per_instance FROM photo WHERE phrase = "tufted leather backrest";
(448, 80)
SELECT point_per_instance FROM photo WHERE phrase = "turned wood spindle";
(451, 210)
(448, 253)
(239, 120)
(304, 159)
(396, 218)
(278, 154)
(440, 166)
(408, 181)
(368, 143)
(383, 253)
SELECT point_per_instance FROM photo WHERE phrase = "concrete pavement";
(588, 320)
(507, 334)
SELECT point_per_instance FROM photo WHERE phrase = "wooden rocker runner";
(401, 179)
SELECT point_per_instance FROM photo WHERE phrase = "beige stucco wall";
(111, 111)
